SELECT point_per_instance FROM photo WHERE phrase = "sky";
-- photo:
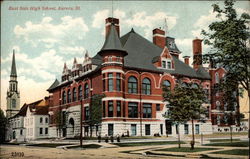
(45, 37)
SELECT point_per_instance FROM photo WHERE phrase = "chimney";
(186, 59)
(115, 22)
(197, 53)
(159, 38)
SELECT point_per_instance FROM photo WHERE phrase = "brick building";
(130, 71)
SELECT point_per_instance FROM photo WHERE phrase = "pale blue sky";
(44, 39)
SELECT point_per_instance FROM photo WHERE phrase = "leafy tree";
(229, 38)
(95, 111)
(185, 104)
(3, 122)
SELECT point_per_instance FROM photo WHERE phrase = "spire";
(112, 42)
(75, 62)
(65, 66)
(13, 66)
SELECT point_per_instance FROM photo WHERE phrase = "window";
(41, 120)
(74, 94)
(46, 131)
(110, 108)
(158, 107)
(133, 129)
(69, 96)
(46, 120)
(184, 84)
(147, 129)
(218, 119)
(132, 85)
(64, 97)
(86, 113)
(118, 81)
(110, 82)
(86, 91)
(109, 58)
(217, 77)
(118, 108)
(132, 110)
(118, 59)
(186, 128)
(41, 131)
(21, 132)
(161, 128)
(195, 85)
(146, 86)
(103, 82)
(166, 83)
(13, 103)
(197, 129)
(80, 92)
(163, 64)
(103, 109)
(217, 105)
(147, 110)
(110, 129)
(169, 65)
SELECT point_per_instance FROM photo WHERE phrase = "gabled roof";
(13, 66)
(203, 73)
(42, 110)
(112, 42)
(54, 85)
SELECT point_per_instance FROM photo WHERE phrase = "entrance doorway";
(168, 125)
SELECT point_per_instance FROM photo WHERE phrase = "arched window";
(64, 97)
(74, 94)
(13, 103)
(217, 77)
(146, 86)
(217, 105)
(184, 84)
(69, 96)
(195, 85)
(86, 90)
(166, 83)
(132, 85)
(80, 92)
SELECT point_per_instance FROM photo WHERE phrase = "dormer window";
(169, 65)
(166, 63)
(163, 64)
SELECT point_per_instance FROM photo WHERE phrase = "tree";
(229, 38)
(95, 111)
(185, 104)
(3, 122)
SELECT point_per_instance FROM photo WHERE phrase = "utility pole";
(81, 123)
(140, 91)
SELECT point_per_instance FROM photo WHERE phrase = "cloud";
(77, 50)
(98, 18)
(149, 22)
(49, 34)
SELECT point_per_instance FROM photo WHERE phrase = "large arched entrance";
(71, 126)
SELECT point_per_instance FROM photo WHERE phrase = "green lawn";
(223, 140)
(243, 152)
(234, 144)
(147, 143)
(93, 146)
(52, 145)
(186, 149)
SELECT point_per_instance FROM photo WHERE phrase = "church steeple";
(13, 95)
(13, 66)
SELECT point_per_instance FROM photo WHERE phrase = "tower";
(13, 95)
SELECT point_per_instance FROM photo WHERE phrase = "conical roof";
(13, 66)
(112, 42)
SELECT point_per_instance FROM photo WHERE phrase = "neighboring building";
(130, 71)
(13, 95)
(31, 122)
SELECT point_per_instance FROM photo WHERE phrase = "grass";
(186, 149)
(234, 144)
(90, 146)
(147, 143)
(222, 134)
(243, 152)
(223, 140)
(52, 145)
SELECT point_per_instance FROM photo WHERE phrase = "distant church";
(13, 95)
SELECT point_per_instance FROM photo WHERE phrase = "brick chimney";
(159, 38)
(186, 59)
(197, 53)
(108, 23)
